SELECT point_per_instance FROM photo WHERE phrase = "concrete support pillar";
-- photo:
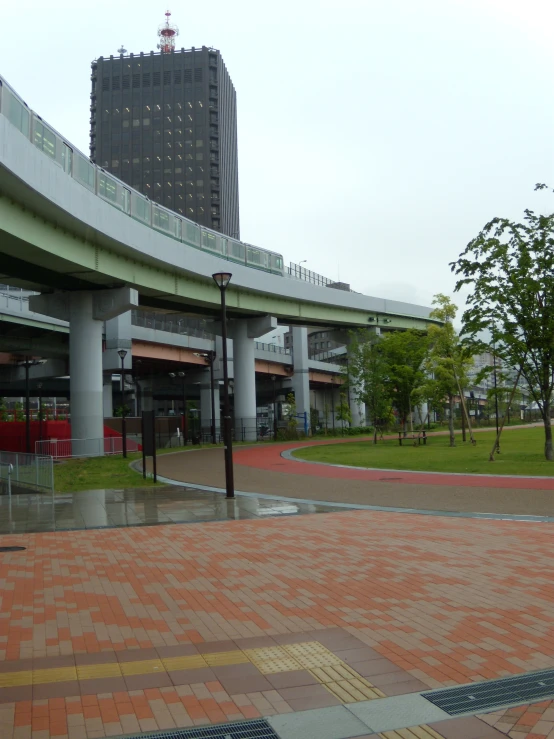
(243, 332)
(357, 407)
(244, 368)
(86, 311)
(301, 377)
(146, 395)
(118, 336)
(85, 368)
(93, 508)
(317, 402)
(206, 402)
(108, 396)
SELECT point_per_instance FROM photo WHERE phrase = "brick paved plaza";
(115, 631)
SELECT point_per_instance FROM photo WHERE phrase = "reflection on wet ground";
(91, 509)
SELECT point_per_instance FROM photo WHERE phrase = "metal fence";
(244, 429)
(27, 471)
(275, 348)
(172, 323)
(301, 273)
(66, 448)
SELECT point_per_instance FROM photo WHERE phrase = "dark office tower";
(166, 123)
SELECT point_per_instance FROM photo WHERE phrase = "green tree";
(405, 353)
(448, 361)
(122, 410)
(509, 268)
(500, 394)
(368, 374)
(18, 412)
(289, 413)
(3, 410)
(342, 410)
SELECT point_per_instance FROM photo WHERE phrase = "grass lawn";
(521, 454)
(98, 473)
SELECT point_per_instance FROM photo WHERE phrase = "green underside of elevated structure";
(41, 256)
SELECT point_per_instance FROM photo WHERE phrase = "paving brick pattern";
(407, 602)
(534, 721)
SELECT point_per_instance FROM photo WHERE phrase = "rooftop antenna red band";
(167, 34)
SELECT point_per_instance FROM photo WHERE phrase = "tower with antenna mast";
(167, 34)
(165, 122)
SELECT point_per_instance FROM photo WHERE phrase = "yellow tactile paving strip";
(328, 669)
(414, 732)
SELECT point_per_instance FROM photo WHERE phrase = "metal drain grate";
(257, 729)
(492, 694)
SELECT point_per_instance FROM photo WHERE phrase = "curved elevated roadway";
(56, 234)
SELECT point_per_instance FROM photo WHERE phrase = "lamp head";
(181, 374)
(122, 353)
(222, 279)
(172, 374)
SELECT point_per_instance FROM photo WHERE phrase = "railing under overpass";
(275, 348)
(173, 324)
(24, 472)
(167, 436)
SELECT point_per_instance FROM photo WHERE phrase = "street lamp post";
(495, 395)
(27, 409)
(212, 393)
(333, 401)
(274, 410)
(348, 387)
(122, 354)
(28, 363)
(39, 388)
(210, 356)
(181, 374)
(222, 279)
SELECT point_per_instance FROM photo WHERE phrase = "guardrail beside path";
(28, 471)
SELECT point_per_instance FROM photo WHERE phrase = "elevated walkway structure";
(70, 232)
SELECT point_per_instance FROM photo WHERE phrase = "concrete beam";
(106, 304)
(260, 326)
(49, 368)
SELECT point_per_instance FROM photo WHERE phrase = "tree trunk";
(451, 420)
(548, 452)
(374, 434)
(463, 422)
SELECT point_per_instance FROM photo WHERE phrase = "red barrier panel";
(13, 436)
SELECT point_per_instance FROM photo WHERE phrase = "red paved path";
(269, 458)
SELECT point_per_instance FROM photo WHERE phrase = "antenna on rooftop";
(167, 33)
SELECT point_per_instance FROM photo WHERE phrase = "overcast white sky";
(376, 137)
